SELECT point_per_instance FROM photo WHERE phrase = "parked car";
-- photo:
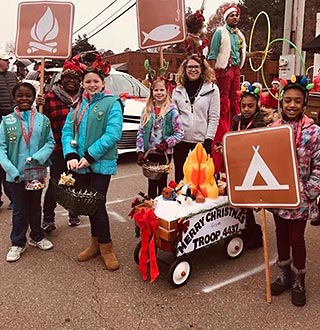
(130, 89)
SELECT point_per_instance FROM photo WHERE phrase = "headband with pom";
(249, 90)
(301, 83)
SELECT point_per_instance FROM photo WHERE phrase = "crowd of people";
(82, 123)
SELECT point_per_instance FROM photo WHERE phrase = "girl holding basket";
(89, 139)
(160, 128)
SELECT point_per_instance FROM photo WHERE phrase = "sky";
(117, 36)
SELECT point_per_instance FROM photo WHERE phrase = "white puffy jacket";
(200, 120)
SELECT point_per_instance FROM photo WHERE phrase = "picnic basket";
(154, 171)
(78, 199)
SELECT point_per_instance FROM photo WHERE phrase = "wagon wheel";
(179, 272)
(234, 246)
(136, 253)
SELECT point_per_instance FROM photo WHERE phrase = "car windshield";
(118, 84)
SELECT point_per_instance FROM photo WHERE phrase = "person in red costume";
(227, 56)
(271, 100)
(194, 42)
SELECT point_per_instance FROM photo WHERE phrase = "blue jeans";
(26, 211)
(99, 222)
(58, 167)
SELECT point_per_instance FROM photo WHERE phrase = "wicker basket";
(154, 171)
(77, 199)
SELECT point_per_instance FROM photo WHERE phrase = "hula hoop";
(268, 41)
(301, 58)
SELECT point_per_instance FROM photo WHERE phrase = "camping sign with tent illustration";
(261, 168)
(262, 172)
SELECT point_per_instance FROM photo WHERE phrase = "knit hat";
(275, 81)
(230, 9)
(73, 66)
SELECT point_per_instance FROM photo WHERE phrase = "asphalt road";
(51, 290)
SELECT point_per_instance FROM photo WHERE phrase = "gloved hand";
(162, 147)
(140, 158)
(207, 145)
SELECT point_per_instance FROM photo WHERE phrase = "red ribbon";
(182, 227)
(147, 222)
(26, 136)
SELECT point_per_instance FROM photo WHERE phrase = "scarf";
(64, 96)
(193, 88)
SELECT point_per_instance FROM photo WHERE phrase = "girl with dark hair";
(291, 223)
(250, 117)
(26, 142)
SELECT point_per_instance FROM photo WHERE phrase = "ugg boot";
(284, 279)
(91, 251)
(109, 256)
(298, 292)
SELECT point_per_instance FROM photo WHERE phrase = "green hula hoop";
(268, 41)
(301, 58)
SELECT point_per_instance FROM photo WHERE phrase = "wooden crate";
(167, 235)
(168, 225)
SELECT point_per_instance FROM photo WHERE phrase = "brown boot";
(91, 251)
(109, 256)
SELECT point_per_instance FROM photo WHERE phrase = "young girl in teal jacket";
(89, 140)
(26, 142)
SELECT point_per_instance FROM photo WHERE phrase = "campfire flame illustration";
(198, 171)
(42, 32)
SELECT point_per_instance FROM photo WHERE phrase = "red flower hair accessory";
(100, 66)
(198, 16)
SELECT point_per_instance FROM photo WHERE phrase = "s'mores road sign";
(261, 167)
(44, 29)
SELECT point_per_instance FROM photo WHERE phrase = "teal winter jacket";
(14, 150)
(99, 130)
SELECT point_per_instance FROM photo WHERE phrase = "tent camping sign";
(261, 168)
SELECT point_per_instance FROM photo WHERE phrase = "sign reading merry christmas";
(44, 29)
(261, 167)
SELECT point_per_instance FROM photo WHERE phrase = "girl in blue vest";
(160, 128)
(26, 142)
(89, 141)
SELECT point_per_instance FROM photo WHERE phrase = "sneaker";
(74, 221)
(10, 206)
(44, 244)
(48, 226)
(15, 252)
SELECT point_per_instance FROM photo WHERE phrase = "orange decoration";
(198, 172)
